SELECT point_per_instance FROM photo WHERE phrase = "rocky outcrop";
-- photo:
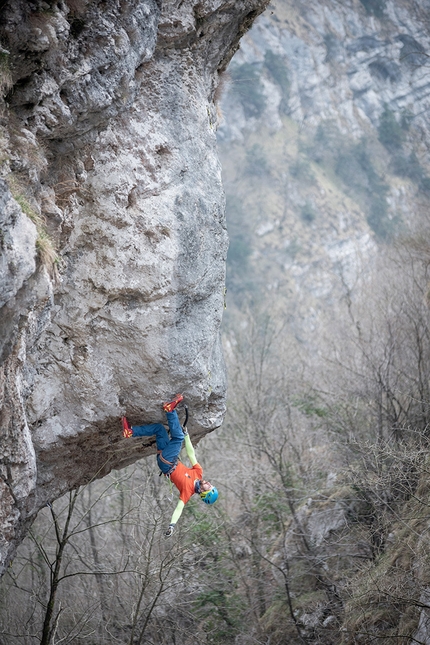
(325, 145)
(343, 61)
(112, 296)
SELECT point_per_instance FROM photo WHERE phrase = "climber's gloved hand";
(169, 531)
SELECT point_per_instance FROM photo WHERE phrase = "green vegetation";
(390, 132)
(301, 170)
(410, 167)
(256, 161)
(5, 73)
(379, 220)
(324, 146)
(311, 405)
(392, 136)
(374, 7)
(331, 43)
(217, 605)
(240, 272)
(248, 88)
(278, 70)
(356, 165)
(44, 245)
(404, 166)
(307, 213)
(406, 120)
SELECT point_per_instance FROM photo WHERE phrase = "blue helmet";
(209, 496)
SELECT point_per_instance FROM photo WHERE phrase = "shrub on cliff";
(278, 69)
(374, 7)
(390, 132)
(248, 88)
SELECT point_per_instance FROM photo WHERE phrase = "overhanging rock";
(110, 129)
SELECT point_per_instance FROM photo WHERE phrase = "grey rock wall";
(108, 132)
(345, 61)
(324, 74)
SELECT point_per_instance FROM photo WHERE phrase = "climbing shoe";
(171, 405)
(126, 429)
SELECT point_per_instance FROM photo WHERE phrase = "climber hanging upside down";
(187, 480)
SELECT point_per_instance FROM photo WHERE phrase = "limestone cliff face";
(340, 91)
(109, 157)
(345, 61)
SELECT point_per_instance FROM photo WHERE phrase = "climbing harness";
(172, 464)
(165, 461)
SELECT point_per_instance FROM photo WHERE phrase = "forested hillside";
(321, 532)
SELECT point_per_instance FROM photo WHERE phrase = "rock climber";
(187, 480)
